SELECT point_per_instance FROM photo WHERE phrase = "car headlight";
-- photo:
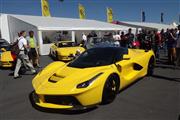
(88, 82)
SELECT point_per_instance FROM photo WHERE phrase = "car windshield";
(96, 57)
(99, 42)
(66, 44)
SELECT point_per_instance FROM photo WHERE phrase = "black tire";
(56, 58)
(110, 90)
(22, 70)
(151, 66)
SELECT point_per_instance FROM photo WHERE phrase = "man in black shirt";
(130, 37)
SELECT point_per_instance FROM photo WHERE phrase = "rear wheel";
(150, 70)
(56, 56)
(110, 90)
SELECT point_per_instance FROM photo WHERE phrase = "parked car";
(95, 77)
(7, 58)
(65, 50)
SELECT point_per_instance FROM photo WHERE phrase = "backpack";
(15, 48)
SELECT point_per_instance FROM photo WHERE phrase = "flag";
(45, 8)
(143, 17)
(162, 17)
(82, 14)
(109, 15)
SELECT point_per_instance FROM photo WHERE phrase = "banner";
(143, 17)
(82, 14)
(109, 15)
(45, 8)
(162, 17)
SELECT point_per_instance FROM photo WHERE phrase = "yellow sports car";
(65, 50)
(7, 58)
(95, 77)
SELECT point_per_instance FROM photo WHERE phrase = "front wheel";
(110, 90)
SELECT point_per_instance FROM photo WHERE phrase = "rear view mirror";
(126, 57)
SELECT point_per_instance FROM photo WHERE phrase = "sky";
(123, 10)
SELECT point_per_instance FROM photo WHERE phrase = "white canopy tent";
(147, 25)
(54, 23)
(12, 24)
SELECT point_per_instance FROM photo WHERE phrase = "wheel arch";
(152, 59)
(150, 66)
(117, 78)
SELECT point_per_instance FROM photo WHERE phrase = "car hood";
(65, 80)
(69, 50)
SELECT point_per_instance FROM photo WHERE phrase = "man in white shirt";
(22, 56)
(84, 39)
(117, 39)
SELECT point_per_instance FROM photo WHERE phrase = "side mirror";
(80, 45)
(126, 57)
(3, 49)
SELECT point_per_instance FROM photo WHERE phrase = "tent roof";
(158, 26)
(55, 23)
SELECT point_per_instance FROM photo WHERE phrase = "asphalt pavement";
(151, 98)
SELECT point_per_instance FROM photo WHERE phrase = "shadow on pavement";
(59, 111)
(167, 78)
(163, 63)
(166, 66)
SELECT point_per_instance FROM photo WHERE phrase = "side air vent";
(54, 78)
(137, 67)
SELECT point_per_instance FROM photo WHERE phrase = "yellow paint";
(64, 53)
(67, 78)
(6, 59)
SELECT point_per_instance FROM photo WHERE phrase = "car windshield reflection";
(97, 57)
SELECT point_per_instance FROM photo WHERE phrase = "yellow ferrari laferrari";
(65, 50)
(95, 77)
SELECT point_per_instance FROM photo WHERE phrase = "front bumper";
(6, 64)
(65, 58)
(58, 102)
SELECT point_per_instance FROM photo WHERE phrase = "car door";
(129, 70)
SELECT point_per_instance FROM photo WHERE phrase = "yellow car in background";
(95, 77)
(65, 50)
(7, 58)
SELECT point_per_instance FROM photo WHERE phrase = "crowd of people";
(167, 40)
